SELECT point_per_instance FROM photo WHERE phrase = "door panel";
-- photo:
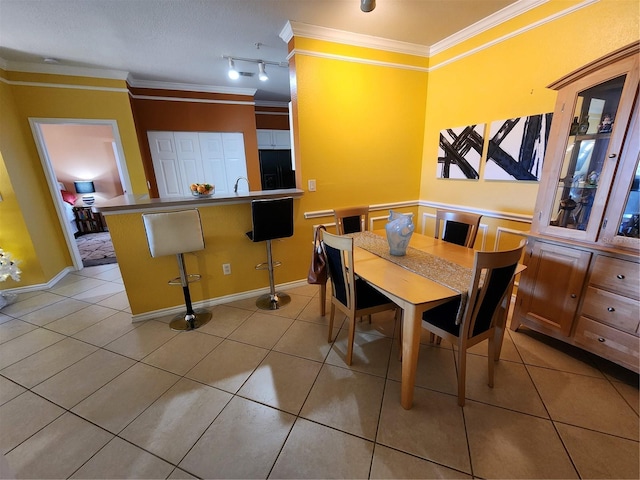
(165, 164)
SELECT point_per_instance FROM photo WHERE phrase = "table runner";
(439, 270)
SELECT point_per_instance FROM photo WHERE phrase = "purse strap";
(316, 240)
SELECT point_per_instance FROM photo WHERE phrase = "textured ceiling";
(183, 41)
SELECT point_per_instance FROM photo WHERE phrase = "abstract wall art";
(459, 152)
(516, 148)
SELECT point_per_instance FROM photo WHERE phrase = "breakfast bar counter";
(142, 203)
(225, 220)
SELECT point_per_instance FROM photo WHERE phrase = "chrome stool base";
(272, 302)
(184, 322)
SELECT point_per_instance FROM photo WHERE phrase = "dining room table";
(431, 273)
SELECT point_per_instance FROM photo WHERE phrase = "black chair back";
(456, 232)
(272, 218)
(494, 289)
(334, 262)
(351, 224)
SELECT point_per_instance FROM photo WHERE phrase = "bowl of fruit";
(202, 189)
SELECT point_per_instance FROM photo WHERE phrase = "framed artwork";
(516, 148)
(459, 152)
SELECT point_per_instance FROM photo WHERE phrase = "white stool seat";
(176, 233)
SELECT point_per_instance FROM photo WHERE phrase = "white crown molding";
(365, 61)
(62, 85)
(189, 100)
(189, 87)
(356, 39)
(292, 29)
(28, 67)
(493, 20)
(515, 33)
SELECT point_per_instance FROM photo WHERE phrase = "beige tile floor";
(84, 393)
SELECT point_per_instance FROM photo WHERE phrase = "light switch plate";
(312, 185)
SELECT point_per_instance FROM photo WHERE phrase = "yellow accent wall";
(34, 225)
(508, 80)
(360, 126)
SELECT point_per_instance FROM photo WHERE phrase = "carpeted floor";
(96, 249)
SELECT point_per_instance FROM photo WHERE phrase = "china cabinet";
(582, 282)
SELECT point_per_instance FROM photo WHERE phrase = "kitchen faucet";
(235, 187)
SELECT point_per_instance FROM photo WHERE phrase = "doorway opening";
(80, 150)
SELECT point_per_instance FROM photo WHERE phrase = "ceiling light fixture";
(262, 74)
(233, 73)
(367, 5)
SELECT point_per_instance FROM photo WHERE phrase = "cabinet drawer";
(615, 310)
(608, 342)
(620, 276)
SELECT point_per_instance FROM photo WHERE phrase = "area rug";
(96, 249)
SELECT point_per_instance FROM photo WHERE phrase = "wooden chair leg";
(352, 335)
(323, 299)
(462, 367)
(491, 360)
(331, 315)
(399, 320)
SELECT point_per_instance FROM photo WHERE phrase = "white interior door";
(213, 163)
(182, 158)
(165, 164)
(189, 159)
(234, 159)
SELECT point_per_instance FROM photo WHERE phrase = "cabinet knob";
(613, 155)
(573, 295)
(620, 276)
(601, 340)
(611, 309)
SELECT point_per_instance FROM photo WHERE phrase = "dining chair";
(349, 294)
(491, 281)
(351, 219)
(460, 228)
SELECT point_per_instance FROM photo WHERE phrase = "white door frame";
(52, 181)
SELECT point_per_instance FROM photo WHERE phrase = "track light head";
(367, 5)
(262, 74)
(233, 73)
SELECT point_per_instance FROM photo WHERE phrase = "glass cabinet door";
(581, 172)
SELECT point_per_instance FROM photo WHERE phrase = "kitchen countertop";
(142, 203)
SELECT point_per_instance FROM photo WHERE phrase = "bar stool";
(272, 218)
(175, 233)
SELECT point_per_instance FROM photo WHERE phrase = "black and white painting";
(516, 148)
(459, 152)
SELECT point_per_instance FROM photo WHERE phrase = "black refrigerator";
(275, 169)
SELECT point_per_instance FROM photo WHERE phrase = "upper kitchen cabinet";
(274, 139)
(589, 187)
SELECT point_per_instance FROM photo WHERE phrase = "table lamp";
(85, 187)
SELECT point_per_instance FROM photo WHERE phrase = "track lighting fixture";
(262, 74)
(233, 73)
(367, 5)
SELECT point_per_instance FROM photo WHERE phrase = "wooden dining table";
(414, 293)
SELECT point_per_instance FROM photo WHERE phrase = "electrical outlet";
(226, 268)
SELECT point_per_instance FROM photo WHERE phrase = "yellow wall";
(18, 179)
(34, 225)
(360, 126)
(509, 80)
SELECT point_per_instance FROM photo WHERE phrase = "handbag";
(318, 268)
